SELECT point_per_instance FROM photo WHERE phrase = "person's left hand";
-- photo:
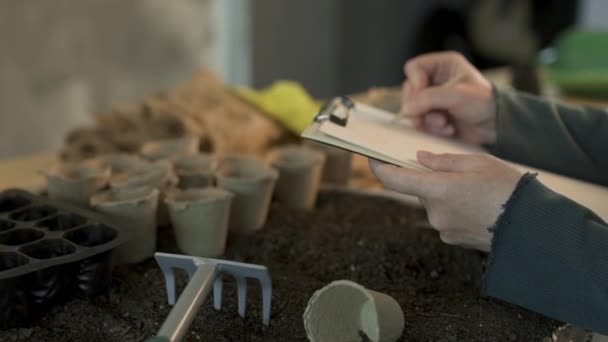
(463, 196)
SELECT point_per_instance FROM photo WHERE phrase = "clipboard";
(375, 133)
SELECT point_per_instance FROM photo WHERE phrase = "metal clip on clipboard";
(337, 110)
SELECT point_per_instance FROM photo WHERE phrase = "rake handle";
(177, 323)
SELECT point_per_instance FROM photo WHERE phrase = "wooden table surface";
(24, 172)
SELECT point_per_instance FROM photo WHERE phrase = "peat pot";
(200, 220)
(252, 182)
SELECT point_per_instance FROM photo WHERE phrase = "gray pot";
(75, 183)
(170, 148)
(337, 169)
(252, 183)
(300, 171)
(118, 163)
(135, 210)
(157, 175)
(195, 171)
(343, 309)
(200, 220)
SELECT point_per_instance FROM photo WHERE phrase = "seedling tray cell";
(50, 251)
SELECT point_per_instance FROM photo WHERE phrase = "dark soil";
(372, 241)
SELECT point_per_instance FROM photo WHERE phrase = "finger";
(435, 120)
(416, 73)
(422, 70)
(404, 180)
(438, 123)
(407, 89)
(449, 162)
(418, 78)
(405, 97)
(445, 131)
(434, 99)
(418, 123)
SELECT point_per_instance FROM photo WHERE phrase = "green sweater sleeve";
(549, 135)
(549, 255)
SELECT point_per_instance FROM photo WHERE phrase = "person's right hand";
(445, 95)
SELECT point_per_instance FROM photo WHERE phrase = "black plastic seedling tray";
(50, 251)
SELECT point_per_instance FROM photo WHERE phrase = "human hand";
(463, 195)
(445, 95)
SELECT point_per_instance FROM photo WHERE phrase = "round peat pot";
(196, 171)
(170, 148)
(337, 168)
(118, 163)
(135, 210)
(200, 220)
(252, 183)
(157, 175)
(342, 310)
(75, 183)
(300, 172)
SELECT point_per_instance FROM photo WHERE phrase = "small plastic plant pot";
(159, 175)
(195, 171)
(75, 183)
(118, 163)
(252, 182)
(337, 169)
(300, 171)
(344, 310)
(200, 220)
(133, 209)
(170, 148)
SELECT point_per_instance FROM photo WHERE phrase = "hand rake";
(203, 272)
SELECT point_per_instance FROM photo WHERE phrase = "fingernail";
(414, 80)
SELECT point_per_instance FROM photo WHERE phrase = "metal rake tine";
(218, 289)
(241, 271)
(168, 263)
(169, 275)
(241, 284)
(266, 285)
(204, 274)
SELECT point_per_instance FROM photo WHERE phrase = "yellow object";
(286, 101)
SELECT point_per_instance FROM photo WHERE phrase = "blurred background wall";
(344, 46)
(62, 59)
